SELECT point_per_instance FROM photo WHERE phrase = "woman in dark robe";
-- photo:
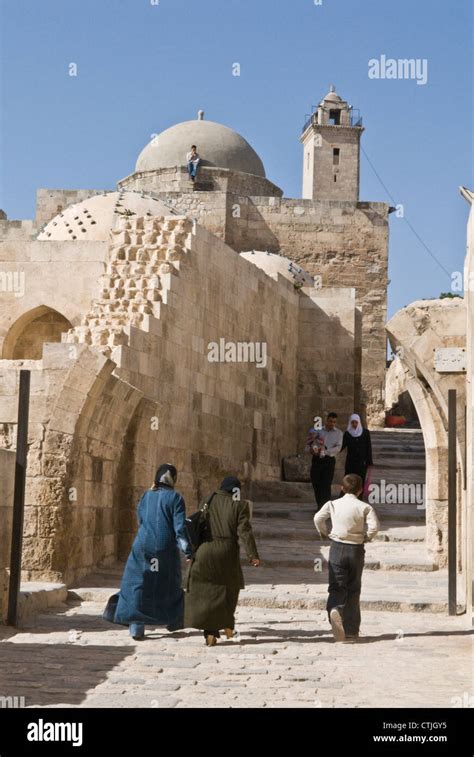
(359, 447)
(215, 575)
(151, 589)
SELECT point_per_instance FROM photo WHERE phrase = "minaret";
(331, 151)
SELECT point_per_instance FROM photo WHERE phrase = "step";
(36, 597)
(404, 592)
(395, 463)
(379, 555)
(281, 491)
(302, 512)
(294, 532)
(414, 435)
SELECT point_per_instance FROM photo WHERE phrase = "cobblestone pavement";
(412, 654)
(284, 658)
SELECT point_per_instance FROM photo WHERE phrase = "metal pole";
(19, 497)
(452, 515)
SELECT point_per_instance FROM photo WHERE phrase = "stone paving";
(283, 658)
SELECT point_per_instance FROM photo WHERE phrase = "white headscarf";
(355, 431)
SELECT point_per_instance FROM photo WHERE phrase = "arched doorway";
(27, 335)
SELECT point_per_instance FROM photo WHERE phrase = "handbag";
(111, 608)
(197, 526)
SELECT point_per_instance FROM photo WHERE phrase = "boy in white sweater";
(354, 522)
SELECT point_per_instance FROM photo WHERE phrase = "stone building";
(115, 300)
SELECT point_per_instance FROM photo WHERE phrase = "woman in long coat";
(151, 589)
(359, 447)
(215, 575)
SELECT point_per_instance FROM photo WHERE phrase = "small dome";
(217, 145)
(92, 219)
(332, 96)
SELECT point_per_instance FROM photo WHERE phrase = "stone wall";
(326, 357)
(176, 180)
(344, 243)
(7, 479)
(44, 278)
(322, 179)
(132, 386)
(208, 418)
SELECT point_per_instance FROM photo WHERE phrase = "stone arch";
(74, 485)
(436, 450)
(415, 332)
(26, 337)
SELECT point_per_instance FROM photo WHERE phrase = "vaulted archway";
(27, 335)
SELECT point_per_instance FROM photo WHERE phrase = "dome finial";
(200, 115)
(332, 88)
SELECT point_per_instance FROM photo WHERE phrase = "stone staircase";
(399, 574)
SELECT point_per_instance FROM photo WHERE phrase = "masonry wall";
(343, 242)
(210, 418)
(326, 357)
(35, 276)
(346, 243)
(324, 180)
(7, 478)
(132, 386)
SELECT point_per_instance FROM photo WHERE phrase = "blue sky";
(143, 67)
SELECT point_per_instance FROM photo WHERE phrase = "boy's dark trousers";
(346, 563)
(322, 474)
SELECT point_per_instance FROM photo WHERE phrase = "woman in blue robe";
(151, 591)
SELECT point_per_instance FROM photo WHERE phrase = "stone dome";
(332, 96)
(218, 146)
(92, 219)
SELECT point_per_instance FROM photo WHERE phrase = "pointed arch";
(25, 338)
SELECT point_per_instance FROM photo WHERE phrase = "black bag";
(197, 526)
(110, 608)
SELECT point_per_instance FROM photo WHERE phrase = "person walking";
(359, 448)
(325, 444)
(215, 575)
(192, 161)
(150, 591)
(353, 524)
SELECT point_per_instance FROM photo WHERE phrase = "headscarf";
(166, 475)
(359, 429)
(230, 483)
